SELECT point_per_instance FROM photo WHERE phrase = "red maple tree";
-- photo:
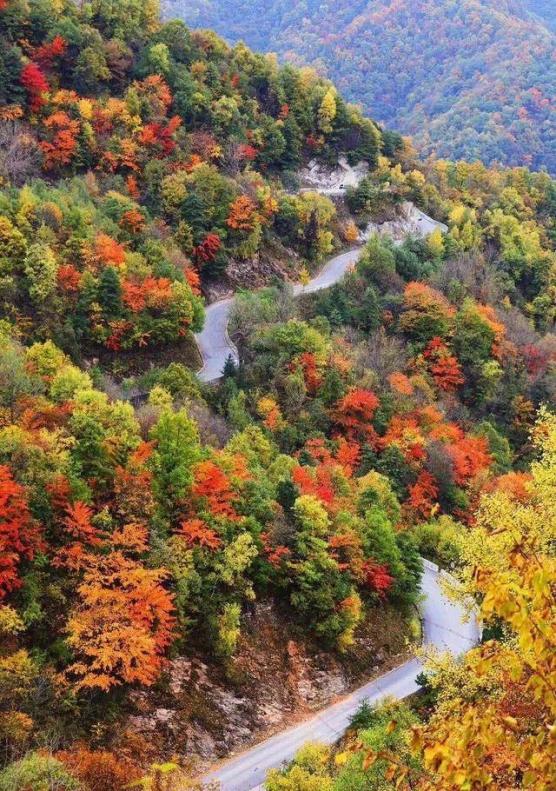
(214, 489)
(36, 85)
(20, 537)
(48, 52)
(377, 576)
(206, 251)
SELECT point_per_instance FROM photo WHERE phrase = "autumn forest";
(471, 79)
(153, 522)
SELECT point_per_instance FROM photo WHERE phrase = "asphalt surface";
(426, 224)
(444, 626)
(213, 340)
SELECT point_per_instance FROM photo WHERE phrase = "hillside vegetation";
(184, 141)
(472, 79)
(144, 517)
(481, 722)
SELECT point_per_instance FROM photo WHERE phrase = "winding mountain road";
(445, 628)
(214, 342)
(444, 624)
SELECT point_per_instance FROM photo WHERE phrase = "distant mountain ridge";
(473, 79)
(543, 9)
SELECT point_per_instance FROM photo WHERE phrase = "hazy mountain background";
(469, 79)
(546, 9)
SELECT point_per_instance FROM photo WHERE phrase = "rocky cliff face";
(277, 677)
(277, 262)
(332, 181)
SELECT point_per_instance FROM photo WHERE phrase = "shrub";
(36, 772)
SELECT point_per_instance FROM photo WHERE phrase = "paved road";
(331, 273)
(213, 341)
(426, 224)
(444, 627)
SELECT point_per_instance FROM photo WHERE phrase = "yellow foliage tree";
(327, 110)
(495, 726)
(350, 232)
(435, 243)
(304, 277)
(18, 673)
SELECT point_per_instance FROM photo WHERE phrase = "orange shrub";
(99, 769)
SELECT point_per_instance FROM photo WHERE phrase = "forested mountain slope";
(470, 79)
(185, 141)
(157, 535)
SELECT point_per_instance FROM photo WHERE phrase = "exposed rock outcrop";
(332, 181)
(277, 677)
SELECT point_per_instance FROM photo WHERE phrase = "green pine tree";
(110, 292)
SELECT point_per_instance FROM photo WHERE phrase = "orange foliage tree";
(516, 485)
(214, 489)
(153, 292)
(469, 456)
(132, 221)
(194, 280)
(133, 497)
(198, 533)
(242, 216)
(488, 315)
(426, 313)
(83, 537)
(123, 620)
(311, 374)
(61, 146)
(443, 366)
(423, 494)
(108, 251)
(346, 454)
(400, 384)
(69, 278)
(316, 481)
(99, 768)
(354, 413)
